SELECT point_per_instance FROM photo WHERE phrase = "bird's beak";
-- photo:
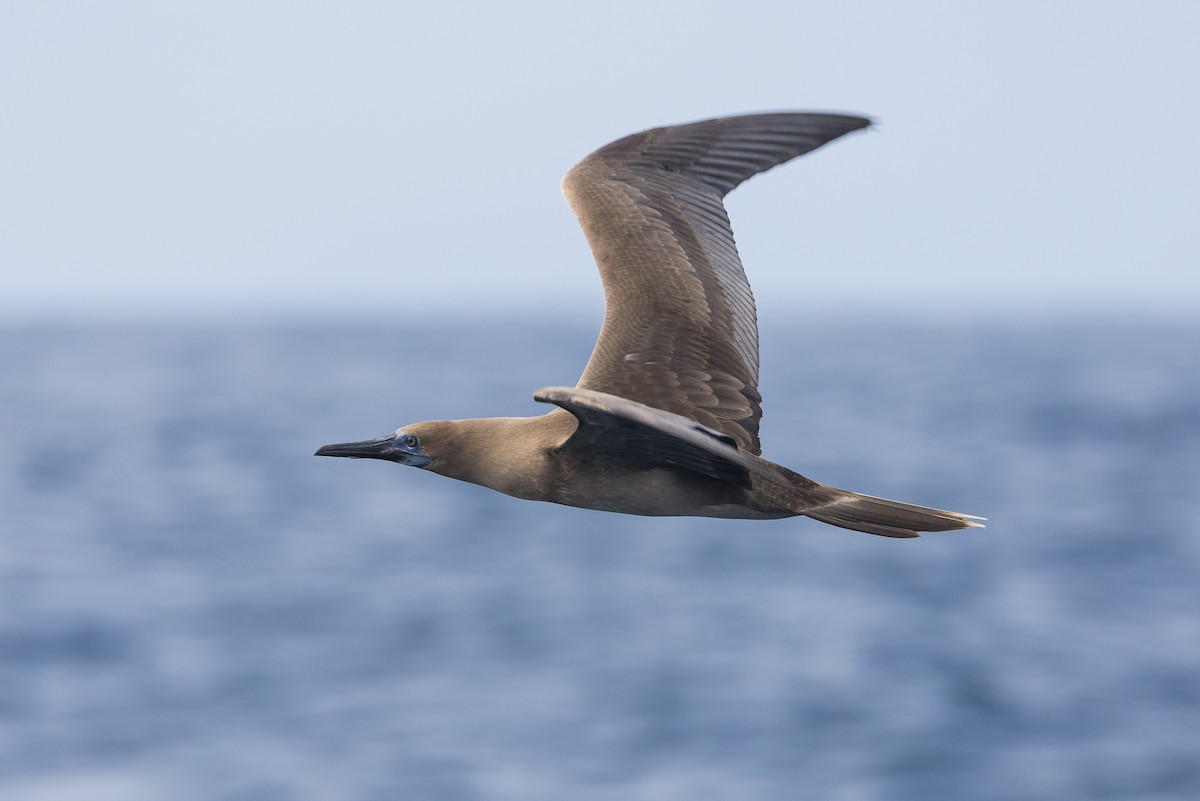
(378, 448)
(384, 447)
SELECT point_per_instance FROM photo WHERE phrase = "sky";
(392, 160)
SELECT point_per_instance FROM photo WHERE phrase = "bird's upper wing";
(612, 426)
(680, 332)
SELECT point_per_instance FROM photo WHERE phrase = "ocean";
(194, 608)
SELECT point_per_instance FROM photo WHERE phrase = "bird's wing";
(679, 330)
(612, 426)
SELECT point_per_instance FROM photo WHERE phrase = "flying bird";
(664, 420)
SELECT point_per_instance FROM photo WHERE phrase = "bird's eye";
(409, 441)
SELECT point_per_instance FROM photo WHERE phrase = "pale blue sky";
(396, 159)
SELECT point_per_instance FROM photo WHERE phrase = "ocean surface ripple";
(192, 607)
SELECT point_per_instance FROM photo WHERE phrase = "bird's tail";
(888, 518)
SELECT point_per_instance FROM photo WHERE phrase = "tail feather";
(889, 518)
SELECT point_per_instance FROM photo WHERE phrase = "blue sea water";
(193, 608)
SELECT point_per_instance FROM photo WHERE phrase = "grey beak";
(378, 448)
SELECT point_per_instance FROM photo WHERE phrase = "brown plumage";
(664, 420)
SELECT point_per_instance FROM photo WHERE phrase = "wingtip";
(550, 394)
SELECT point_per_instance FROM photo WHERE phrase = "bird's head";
(495, 452)
(402, 446)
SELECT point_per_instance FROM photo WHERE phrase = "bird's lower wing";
(614, 426)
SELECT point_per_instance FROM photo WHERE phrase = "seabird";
(664, 420)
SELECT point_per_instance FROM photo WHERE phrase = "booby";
(664, 420)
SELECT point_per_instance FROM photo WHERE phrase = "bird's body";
(664, 420)
(539, 468)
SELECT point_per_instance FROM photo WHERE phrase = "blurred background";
(232, 233)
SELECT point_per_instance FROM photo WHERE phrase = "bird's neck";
(507, 454)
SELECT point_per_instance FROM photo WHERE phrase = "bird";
(665, 419)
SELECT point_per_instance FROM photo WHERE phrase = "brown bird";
(665, 419)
